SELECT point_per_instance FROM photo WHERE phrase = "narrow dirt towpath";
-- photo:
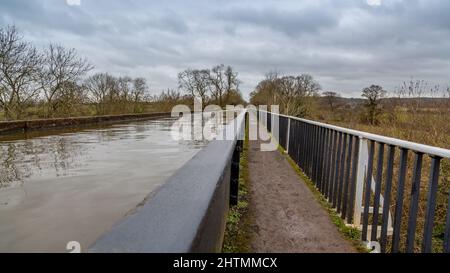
(286, 215)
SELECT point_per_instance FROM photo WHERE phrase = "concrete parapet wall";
(10, 127)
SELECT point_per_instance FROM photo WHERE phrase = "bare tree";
(332, 98)
(19, 66)
(217, 78)
(373, 94)
(70, 98)
(102, 89)
(292, 93)
(170, 95)
(233, 83)
(112, 95)
(61, 66)
(140, 90)
(195, 82)
(266, 90)
(168, 99)
(123, 99)
(288, 95)
(308, 87)
(224, 80)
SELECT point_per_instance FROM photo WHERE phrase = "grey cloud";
(345, 44)
(172, 22)
(49, 15)
(291, 22)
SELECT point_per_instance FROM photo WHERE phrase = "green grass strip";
(238, 234)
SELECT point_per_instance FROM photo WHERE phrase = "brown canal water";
(75, 185)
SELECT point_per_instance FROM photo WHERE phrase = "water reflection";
(52, 156)
(74, 185)
(67, 153)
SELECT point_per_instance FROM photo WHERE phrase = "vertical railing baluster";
(302, 145)
(313, 153)
(336, 171)
(299, 143)
(368, 190)
(316, 154)
(341, 176)
(326, 156)
(234, 175)
(399, 204)
(320, 158)
(310, 149)
(378, 182)
(294, 140)
(304, 153)
(351, 203)
(284, 132)
(363, 154)
(280, 132)
(415, 194)
(332, 165)
(347, 176)
(309, 146)
(291, 138)
(447, 229)
(288, 136)
(431, 204)
(387, 198)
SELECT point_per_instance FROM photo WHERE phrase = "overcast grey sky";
(345, 44)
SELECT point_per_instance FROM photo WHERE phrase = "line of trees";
(299, 96)
(54, 81)
(219, 85)
(296, 96)
(372, 107)
(412, 96)
(292, 93)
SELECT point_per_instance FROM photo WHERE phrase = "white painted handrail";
(421, 148)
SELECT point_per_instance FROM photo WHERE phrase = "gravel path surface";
(287, 217)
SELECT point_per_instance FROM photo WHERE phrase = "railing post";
(234, 175)
(288, 135)
(363, 156)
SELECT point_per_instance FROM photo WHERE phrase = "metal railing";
(188, 213)
(341, 162)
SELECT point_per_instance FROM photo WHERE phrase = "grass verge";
(351, 234)
(237, 234)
